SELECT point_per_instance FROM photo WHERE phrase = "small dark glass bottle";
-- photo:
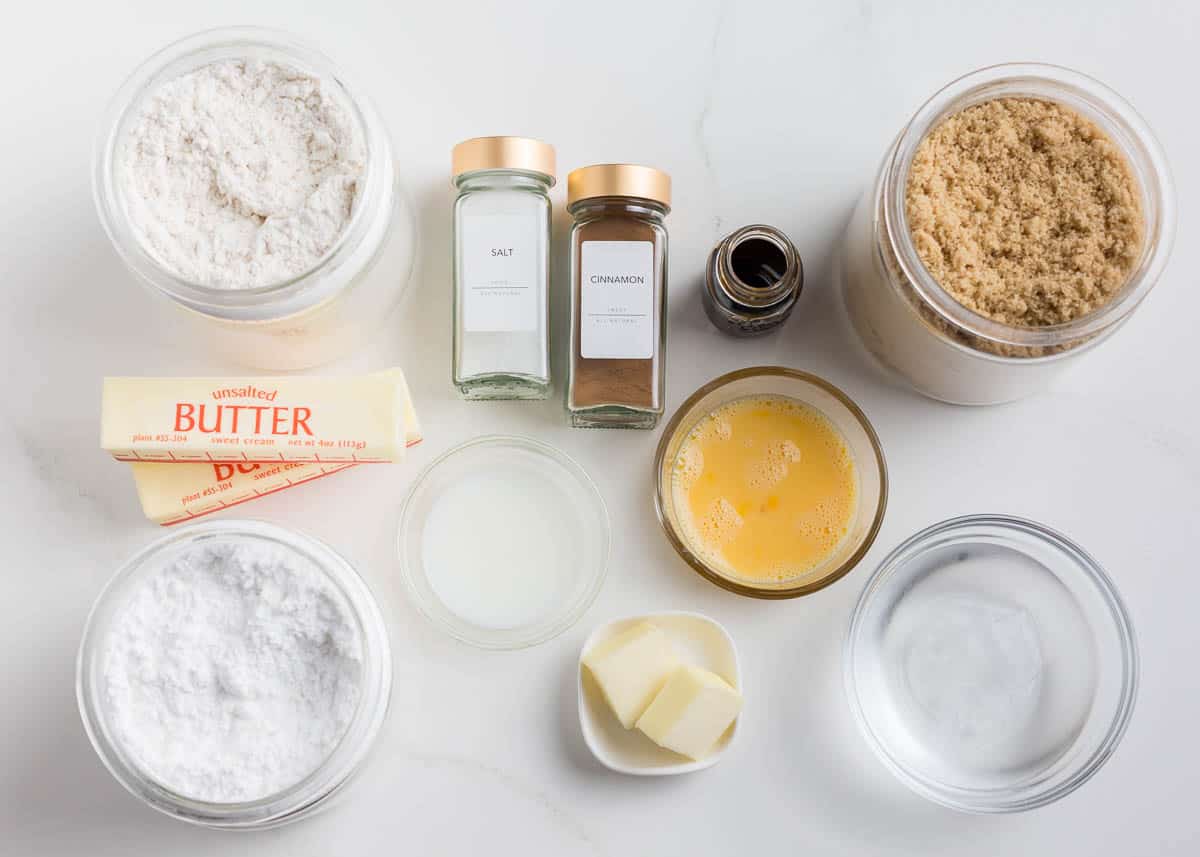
(752, 281)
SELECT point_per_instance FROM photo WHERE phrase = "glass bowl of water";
(991, 664)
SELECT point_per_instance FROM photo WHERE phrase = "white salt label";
(500, 269)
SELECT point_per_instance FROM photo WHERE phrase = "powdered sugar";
(241, 173)
(233, 671)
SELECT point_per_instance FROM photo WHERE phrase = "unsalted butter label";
(285, 418)
(500, 268)
(616, 319)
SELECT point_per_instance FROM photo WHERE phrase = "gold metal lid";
(503, 153)
(619, 180)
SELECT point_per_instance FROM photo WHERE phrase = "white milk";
(497, 545)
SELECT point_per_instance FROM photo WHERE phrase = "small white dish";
(699, 641)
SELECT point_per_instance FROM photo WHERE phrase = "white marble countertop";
(762, 112)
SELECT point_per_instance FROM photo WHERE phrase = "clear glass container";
(847, 418)
(618, 295)
(521, 575)
(307, 320)
(297, 801)
(915, 328)
(991, 664)
(502, 268)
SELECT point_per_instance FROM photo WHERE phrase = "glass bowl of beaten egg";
(771, 482)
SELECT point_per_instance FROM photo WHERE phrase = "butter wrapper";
(171, 493)
(316, 419)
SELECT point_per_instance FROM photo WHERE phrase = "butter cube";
(631, 668)
(691, 712)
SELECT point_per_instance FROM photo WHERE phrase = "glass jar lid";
(503, 153)
(632, 180)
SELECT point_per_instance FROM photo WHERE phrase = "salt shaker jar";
(618, 295)
(502, 267)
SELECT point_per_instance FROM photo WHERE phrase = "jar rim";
(342, 761)
(459, 179)
(724, 276)
(660, 209)
(1117, 118)
(185, 55)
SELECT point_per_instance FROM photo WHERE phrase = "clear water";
(976, 667)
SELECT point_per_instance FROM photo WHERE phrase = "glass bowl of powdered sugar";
(234, 674)
(991, 664)
(247, 181)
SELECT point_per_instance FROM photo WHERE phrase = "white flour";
(241, 173)
(233, 671)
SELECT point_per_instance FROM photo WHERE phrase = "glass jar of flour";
(253, 189)
(502, 267)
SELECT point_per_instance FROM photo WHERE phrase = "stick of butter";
(174, 492)
(286, 418)
(691, 712)
(631, 668)
(171, 493)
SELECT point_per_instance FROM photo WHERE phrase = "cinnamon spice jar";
(618, 295)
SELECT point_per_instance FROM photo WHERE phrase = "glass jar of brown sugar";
(618, 295)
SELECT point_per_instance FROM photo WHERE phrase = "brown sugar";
(1024, 211)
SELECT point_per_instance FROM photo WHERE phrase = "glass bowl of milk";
(991, 664)
(504, 542)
